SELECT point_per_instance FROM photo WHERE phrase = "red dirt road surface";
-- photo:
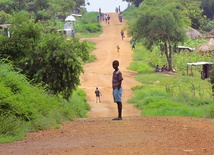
(135, 134)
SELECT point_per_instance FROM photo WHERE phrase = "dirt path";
(99, 135)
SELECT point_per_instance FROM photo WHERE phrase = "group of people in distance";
(162, 69)
(103, 16)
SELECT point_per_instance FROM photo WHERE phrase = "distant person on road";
(117, 89)
(122, 34)
(98, 94)
(120, 17)
(133, 44)
(108, 17)
(118, 48)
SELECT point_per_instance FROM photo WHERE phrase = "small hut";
(193, 33)
(4, 29)
(207, 48)
(205, 71)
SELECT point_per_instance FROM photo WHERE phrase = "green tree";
(39, 9)
(4, 17)
(57, 63)
(46, 58)
(192, 9)
(159, 22)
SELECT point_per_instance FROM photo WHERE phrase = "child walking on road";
(117, 89)
(98, 94)
(122, 34)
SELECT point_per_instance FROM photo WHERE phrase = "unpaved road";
(99, 135)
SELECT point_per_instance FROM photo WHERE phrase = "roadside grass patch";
(167, 93)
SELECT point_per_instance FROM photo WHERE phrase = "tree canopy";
(159, 22)
(39, 9)
(47, 58)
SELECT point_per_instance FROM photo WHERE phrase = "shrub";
(24, 107)
(91, 27)
(209, 26)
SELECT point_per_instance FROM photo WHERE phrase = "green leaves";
(46, 58)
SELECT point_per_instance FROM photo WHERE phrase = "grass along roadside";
(167, 94)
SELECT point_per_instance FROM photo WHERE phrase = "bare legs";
(119, 108)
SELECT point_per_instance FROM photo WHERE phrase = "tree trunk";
(168, 53)
(169, 59)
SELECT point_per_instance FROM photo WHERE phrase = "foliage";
(163, 23)
(192, 9)
(171, 94)
(24, 107)
(130, 12)
(44, 58)
(209, 26)
(39, 10)
(88, 23)
(91, 28)
(4, 17)
(180, 59)
(59, 63)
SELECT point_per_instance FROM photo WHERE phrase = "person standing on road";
(122, 34)
(108, 17)
(117, 89)
(98, 94)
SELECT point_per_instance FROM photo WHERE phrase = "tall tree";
(159, 22)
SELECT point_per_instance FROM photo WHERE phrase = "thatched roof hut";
(193, 33)
(207, 48)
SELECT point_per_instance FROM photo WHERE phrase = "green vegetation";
(88, 24)
(40, 68)
(167, 93)
(25, 108)
(171, 94)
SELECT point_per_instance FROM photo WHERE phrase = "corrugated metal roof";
(199, 63)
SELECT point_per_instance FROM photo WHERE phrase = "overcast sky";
(105, 5)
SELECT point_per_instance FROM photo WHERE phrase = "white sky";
(105, 5)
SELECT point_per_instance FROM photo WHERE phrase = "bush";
(91, 27)
(209, 26)
(24, 107)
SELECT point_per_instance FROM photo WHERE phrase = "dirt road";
(99, 135)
